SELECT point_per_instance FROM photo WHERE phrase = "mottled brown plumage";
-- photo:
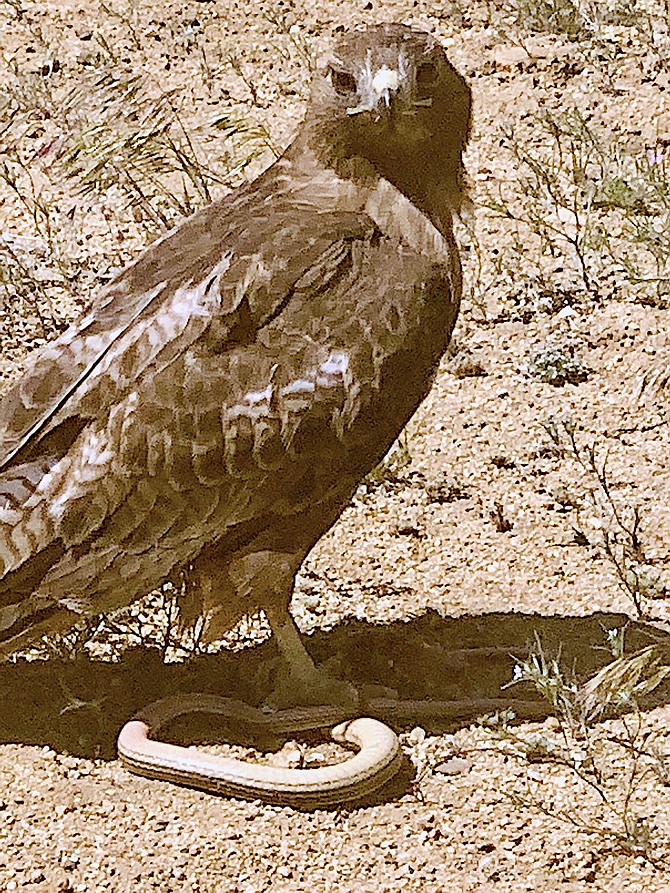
(219, 404)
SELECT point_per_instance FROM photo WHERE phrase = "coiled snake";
(378, 759)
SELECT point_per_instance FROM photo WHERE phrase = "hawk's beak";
(384, 84)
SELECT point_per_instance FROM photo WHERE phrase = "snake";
(377, 760)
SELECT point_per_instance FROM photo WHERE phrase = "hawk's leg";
(265, 579)
(300, 681)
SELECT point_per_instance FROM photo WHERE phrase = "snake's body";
(378, 759)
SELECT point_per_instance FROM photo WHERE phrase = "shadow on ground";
(79, 706)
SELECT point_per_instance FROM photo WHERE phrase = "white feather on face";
(385, 81)
(376, 84)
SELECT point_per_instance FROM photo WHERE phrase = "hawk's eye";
(343, 81)
(426, 76)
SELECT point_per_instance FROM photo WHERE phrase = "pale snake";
(378, 759)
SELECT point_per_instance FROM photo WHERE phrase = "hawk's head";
(389, 95)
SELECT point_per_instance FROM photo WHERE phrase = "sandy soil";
(438, 577)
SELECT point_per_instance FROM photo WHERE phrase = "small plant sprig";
(140, 144)
(578, 20)
(554, 192)
(153, 622)
(583, 212)
(639, 187)
(557, 16)
(288, 25)
(588, 753)
(621, 530)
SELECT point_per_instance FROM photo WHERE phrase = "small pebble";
(454, 766)
(416, 736)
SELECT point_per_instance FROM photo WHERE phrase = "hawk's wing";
(244, 393)
(208, 289)
(221, 275)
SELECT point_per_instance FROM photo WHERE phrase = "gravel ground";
(479, 534)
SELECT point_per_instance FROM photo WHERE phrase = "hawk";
(218, 405)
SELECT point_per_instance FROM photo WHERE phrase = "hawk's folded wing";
(253, 366)
(250, 252)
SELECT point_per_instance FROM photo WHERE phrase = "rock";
(454, 766)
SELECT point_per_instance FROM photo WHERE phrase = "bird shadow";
(78, 706)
